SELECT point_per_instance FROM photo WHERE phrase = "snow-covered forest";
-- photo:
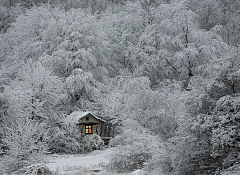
(164, 73)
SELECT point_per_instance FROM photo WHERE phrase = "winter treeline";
(166, 74)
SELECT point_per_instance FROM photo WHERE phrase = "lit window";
(88, 129)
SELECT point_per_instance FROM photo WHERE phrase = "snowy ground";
(71, 164)
(90, 164)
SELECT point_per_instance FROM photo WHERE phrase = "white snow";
(94, 161)
(75, 116)
(136, 172)
(88, 164)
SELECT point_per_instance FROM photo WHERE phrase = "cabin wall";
(91, 119)
(96, 129)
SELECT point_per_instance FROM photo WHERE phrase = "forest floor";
(85, 164)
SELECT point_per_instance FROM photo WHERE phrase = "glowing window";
(88, 129)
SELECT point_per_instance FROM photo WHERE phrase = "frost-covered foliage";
(8, 14)
(91, 142)
(147, 118)
(171, 68)
(69, 140)
(132, 98)
(206, 139)
(62, 44)
(34, 91)
(233, 170)
(25, 140)
(34, 170)
(136, 145)
(219, 13)
(34, 94)
(64, 140)
(225, 133)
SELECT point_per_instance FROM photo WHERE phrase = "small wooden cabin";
(86, 122)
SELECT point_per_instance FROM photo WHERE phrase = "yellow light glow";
(88, 129)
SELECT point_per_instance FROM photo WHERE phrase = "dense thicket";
(166, 73)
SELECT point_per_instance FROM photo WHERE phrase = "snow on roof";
(75, 116)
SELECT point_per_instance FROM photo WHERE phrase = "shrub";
(35, 170)
(91, 142)
(128, 158)
(136, 145)
(64, 140)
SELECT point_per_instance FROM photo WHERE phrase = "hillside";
(164, 76)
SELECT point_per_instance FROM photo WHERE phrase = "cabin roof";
(75, 116)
